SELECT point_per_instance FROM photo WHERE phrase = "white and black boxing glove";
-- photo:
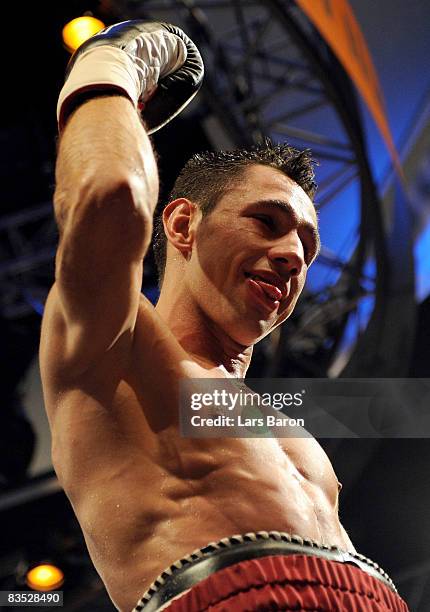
(155, 65)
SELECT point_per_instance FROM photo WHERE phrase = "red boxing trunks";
(272, 571)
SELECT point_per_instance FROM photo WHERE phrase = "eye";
(267, 221)
(310, 246)
(306, 252)
(309, 253)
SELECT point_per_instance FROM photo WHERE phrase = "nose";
(287, 255)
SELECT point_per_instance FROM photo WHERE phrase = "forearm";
(106, 165)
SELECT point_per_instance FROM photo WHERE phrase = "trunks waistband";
(201, 563)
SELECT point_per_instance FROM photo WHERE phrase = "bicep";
(99, 267)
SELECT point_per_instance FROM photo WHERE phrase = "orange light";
(45, 578)
(79, 30)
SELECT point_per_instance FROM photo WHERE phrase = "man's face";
(252, 252)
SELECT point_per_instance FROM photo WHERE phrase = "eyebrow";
(285, 207)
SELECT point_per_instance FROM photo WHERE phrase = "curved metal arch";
(348, 290)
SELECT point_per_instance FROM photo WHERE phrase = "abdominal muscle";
(182, 494)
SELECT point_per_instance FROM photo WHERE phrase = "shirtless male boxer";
(241, 233)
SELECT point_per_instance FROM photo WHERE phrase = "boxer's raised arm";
(107, 189)
(107, 183)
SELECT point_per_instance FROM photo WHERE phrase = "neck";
(209, 345)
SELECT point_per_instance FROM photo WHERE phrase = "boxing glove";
(155, 65)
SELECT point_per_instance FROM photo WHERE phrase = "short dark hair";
(206, 176)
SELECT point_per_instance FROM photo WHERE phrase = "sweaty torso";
(145, 496)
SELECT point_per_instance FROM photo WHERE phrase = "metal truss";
(27, 247)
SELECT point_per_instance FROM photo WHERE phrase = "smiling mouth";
(272, 291)
(267, 295)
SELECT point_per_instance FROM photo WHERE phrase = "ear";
(180, 219)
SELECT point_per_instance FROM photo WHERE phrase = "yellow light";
(79, 30)
(45, 578)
